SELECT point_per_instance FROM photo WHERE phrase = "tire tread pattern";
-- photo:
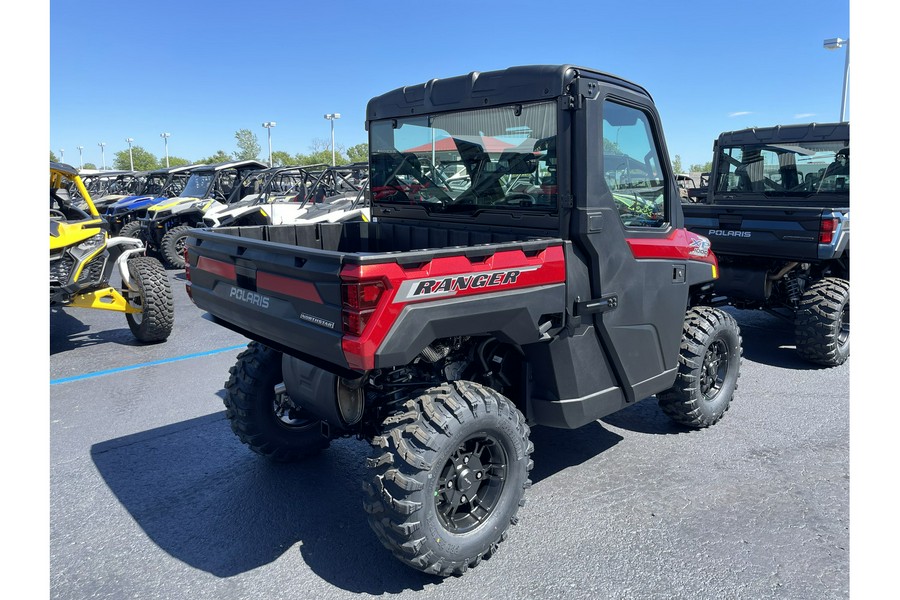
(157, 304)
(404, 455)
(682, 402)
(167, 246)
(814, 325)
(248, 377)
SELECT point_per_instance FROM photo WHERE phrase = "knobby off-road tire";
(822, 322)
(448, 475)
(275, 431)
(157, 317)
(708, 369)
(172, 246)
(131, 229)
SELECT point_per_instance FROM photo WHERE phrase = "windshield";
(154, 185)
(796, 169)
(198, 185)
(464, 162)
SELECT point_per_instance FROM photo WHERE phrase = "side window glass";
(631, 166)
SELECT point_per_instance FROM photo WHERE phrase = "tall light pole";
(102, 153)
(80, 157)
(834, 44)
(166, 136)
(269, 125)
(62, 155)
(130, 155)
(331, 117)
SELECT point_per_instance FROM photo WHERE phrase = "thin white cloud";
(740, 113)
(804, 115)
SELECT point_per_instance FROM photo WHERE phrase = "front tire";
(131, 229)
(157, 317)
(708, 369)
(448, 475)
(261, 418)
(172, 246)
(822, 323)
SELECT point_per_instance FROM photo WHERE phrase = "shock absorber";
(793, 288)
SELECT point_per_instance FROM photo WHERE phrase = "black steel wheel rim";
(714, 369)
(471, 483)
(180, 243)
(844, 326)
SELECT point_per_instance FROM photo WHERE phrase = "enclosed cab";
(526, 264)
(777, 212)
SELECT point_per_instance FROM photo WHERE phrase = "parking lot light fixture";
(165, 136)
(102, 154)
(835, 44)
(269, 125)
(62, 155)
(80, 157)
(331, 117)
(130, 155)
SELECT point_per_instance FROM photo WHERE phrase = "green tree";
(89, 166)
(143, 160)
(174, 161)
(704, 168)
(358, 153)
(248, 145)
(280, 158)
(321, 153)
(219, 157)
(53, 157)
(610, 147)
(676, 164)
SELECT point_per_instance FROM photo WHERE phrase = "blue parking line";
(142, 365)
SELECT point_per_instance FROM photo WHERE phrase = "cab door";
(626, 221)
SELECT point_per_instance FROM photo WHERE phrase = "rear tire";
(271, 429)
(155, 321)
(448, 475)
(172, 246)
(708, 369)
(822, 323)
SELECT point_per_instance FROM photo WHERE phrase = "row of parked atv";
(110, 223)
(170, 202)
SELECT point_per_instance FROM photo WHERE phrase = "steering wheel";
(57, 214)
(519, 198)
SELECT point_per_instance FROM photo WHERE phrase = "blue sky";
(202, 70)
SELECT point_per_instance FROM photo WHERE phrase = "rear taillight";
(360, 299)
(826, 230)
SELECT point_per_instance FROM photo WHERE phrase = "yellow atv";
(83, 257)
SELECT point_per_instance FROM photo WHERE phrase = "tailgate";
(285, 296)
(758, 231)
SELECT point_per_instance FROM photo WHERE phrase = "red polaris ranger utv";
(526, 264)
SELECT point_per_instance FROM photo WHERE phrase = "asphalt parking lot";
(152, 496)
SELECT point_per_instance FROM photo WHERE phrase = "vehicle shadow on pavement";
(558, 449)
(68, 333)
(645, 416)
(210, 502)
(769, 340)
